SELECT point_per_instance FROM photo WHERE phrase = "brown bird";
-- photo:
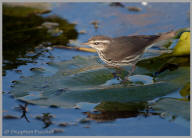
(124, 50)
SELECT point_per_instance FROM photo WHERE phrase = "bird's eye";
(96, 43)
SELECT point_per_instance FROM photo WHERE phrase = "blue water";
(113, 21)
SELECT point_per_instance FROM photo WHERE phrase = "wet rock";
(134, 9)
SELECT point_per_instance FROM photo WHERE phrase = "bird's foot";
(132, 69)
(155, 74)
(125, 80)
(116, 76)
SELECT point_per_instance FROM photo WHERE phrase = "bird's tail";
(166, 36)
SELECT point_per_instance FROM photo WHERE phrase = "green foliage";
(160, 62)
(69, 31)
(185, 91)
(21, 11)
(180, 31)
(183, 45)
(173, 107)
(82, 79)
(23, 31)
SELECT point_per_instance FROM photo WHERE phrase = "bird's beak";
(85, 43)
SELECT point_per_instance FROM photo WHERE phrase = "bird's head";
(98, 42)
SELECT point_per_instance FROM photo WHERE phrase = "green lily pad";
(185, 91)
(81, 80)
(173, 106)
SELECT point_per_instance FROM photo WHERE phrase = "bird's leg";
(118, 72)
(132, 69)
(126, 78)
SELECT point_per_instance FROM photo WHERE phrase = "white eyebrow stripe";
(100, 41)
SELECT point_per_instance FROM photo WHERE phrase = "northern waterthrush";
(124, 50)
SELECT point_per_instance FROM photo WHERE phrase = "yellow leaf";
(183, 45)
(185, 91)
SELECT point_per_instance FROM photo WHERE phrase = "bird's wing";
(122, 47)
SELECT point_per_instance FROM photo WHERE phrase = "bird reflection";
(109, 111)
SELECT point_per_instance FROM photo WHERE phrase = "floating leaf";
(174, 107)
(81, 80)
(183, 46)
(185, 91)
